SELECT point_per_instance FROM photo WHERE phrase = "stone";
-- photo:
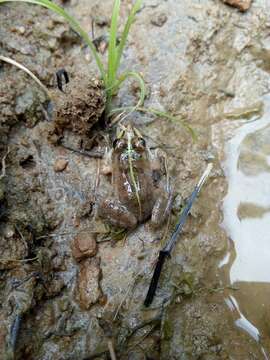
(242, 5)
(88, 287)
(84, 245)
(60, 165)
(159, 19)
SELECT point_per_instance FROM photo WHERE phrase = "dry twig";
(3, 174)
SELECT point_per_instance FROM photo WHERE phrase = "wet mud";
(69, 289)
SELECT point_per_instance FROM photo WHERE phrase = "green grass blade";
(171, 118)
(114, 89)
(124, 35)
(73, 23)
(111, 75)
(159, 114)
(140, 80)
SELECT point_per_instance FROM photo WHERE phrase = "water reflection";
(247, 222)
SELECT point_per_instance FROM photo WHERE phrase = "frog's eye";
(119, 144)
(139, 144)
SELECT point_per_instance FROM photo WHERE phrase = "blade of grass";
(123, 77)
(111, 75)
(140, 102)
(22, 67)
(73, 23)
(159, 114)
(125, 33)
(114, 89)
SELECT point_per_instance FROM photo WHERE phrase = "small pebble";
(84, 245)
(88, 57)
(242, 5)
(52, 43)
(159, 19)
(60, 165)
(25, 142)
(21, 30)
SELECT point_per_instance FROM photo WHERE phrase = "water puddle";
(246, 208)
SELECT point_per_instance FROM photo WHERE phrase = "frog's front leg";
(106, 166)
(117, 214)
(162, 208)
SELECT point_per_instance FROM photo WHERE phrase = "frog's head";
(129, 143)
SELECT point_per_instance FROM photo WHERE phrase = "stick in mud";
(90, 154)
(166, 251)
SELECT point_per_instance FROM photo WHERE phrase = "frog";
(137, 191)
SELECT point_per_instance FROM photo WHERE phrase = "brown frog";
(137, 196)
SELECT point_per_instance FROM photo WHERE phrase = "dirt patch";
(78, 108)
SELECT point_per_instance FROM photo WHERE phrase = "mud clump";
(84, 245)
(242, 5)
(88, 283)
(78, 108)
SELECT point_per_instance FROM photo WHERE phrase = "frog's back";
(135, 188)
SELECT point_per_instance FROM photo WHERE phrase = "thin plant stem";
(22, 67)
(157, 113)
(19, 260)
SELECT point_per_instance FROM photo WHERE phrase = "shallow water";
(246, 209)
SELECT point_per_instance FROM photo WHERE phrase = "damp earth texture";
(71, 286)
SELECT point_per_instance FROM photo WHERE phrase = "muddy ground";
(203, 60)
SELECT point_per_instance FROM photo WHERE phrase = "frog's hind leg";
(162, 208)
(117, 214)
